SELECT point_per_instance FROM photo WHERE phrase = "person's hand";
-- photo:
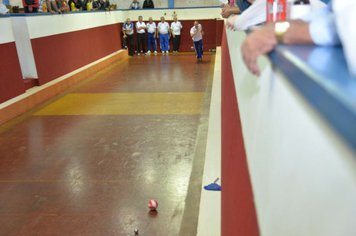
(173, 36)
(52, 12)
(225, 13)
(262, 40)
(125, 36)
(158, 36)
(231, 22)
(30, 9)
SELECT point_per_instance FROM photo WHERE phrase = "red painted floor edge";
(238, 213)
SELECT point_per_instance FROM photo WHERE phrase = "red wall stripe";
(60, 54)
(11, 83)
(238, 213)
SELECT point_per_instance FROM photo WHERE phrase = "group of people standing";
(162, 31)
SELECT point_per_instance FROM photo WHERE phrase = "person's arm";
(55, 8)
(263, 40)
(228, 11)
(193, 32)
(157, 32)
(144, 4)
(66, 8)
(171, 31)
(49, 6)
(201, 30)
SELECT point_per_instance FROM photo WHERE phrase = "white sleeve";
(322, 28)
(254, 15)
(345, 17)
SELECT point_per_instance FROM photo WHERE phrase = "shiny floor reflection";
(93, 174)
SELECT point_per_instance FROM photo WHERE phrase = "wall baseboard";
(37, 95)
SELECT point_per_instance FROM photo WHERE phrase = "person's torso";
(148, 4)
(135, 5)
(139, 24)
(163, 27)
(198, 35)
(129, 26)
(151, 28)
(176, 26)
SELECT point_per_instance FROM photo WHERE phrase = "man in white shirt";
(151, 35)
(163, 30)
(128, 31)
(176, 27)
(141, 35)
(196, 32)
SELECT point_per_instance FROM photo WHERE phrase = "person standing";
(163, 30)
(141, 35)
(128, 32)
(176, 28)
(196, 32)
(148, 4)
(135, 5)
(151, 35)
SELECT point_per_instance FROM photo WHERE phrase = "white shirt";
(140, 24)
(151, 28)
(176, 27)
(163, 27)
(345, 19)
(198, 36)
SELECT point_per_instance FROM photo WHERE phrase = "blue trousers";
(163, 39)
(151, 41)
(198, 45)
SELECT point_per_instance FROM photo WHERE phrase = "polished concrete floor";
(88, 161)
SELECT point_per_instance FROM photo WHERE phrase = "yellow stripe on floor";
(125, 104)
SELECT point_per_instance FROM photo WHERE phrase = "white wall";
(182, 14)
(16, 3)
(303, 174)
(6, 35)
(46, 25)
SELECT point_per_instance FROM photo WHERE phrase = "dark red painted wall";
(60, 54)
(11, 83)
(238, 214)
(211, 39)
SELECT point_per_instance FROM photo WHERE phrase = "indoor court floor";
(88, 161)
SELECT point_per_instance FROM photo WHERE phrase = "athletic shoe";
(148, 52)
(138, 54)
(167, 52)
(125, 47)
(155, 52)
(163, 52)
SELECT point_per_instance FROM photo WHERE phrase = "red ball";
(153, 204)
